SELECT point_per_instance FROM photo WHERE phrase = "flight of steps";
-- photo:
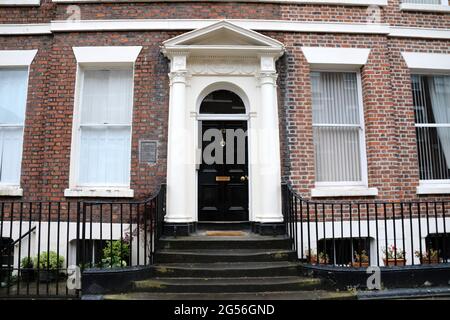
(238, 266)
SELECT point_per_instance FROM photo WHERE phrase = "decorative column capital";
(267, 77)
(179, 76)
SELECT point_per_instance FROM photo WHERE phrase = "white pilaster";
(177, 157)
(269, 145)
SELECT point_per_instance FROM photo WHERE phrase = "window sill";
(11, 191)
(343, 191)
(328, 2)
(435, 188)
(20, 3)
(100, 192)
(424, 7)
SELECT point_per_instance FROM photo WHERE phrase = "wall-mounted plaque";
(148, 151)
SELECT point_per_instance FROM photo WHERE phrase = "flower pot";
(48, 275)
(360, 264)
(27, 275)
(391, 262)
(430, 261)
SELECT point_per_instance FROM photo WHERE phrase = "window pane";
(107, 97)
(11, 155)
(335, 98)
(337, 154)
(433, 146)
(431, 98)
(13, 91)
(105, 156)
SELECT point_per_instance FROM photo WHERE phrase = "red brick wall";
(388, 111)
(389, 118)
(34, 134)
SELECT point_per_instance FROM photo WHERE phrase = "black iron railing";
(41, 241)
(363, 233)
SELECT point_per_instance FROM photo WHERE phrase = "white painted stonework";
(223, 56)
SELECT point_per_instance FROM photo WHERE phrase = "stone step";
(218, 285)
(224, 225)
(224, 255)
(251, 241)
(279, 295)
(223, 269)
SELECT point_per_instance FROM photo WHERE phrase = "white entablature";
(223, 56)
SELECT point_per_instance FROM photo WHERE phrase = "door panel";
(223, 188)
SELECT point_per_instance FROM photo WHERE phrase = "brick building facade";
(390, 138)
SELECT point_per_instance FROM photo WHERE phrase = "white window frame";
(90, 58)
(347, 188)
(442, 7)
(362, 141)
(432, 186)
(423, 63)
(11, 59)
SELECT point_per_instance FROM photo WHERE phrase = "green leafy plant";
(49, 261)
(429, 254)
(393, 252)
(323, 258)
(361, 257)
(27, 263)
(115, 254)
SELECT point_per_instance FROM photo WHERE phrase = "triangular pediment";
(223, 35)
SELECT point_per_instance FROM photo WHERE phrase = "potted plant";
(361, 260)
(323, 258)
(394, 256)
(313, 258)
(431, 256)
(115, 254)
(27, 269)
(49, 264)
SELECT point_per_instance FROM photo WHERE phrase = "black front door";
(223, 185)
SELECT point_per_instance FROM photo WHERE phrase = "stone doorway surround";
(223, 56)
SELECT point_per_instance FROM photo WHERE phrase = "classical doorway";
(223, 189)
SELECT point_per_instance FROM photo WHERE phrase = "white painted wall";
(371, 231)
(66, 229)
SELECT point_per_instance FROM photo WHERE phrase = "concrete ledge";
(433, 189)
(391, 277)
(179, 229)
(343, 192)
(404, 293)
(362, 3)
(100, 192)
(11, 191)
(21, 3)
(269, 228)
(424, 7)
(115, 280)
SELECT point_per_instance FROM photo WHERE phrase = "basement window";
(439, 242)
(342, 251)
(6, 258)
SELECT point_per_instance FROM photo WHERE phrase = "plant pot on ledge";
(359, 264)
(430, 261)
(391, 262)
(46, 276)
